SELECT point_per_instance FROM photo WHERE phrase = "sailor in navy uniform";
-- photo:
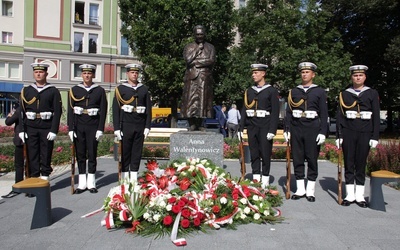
(358, 119)
(260, 114)
(131, 119)
(306, 124)
(87, 110)
(40, 120)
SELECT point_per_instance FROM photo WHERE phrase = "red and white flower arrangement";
(188, 195)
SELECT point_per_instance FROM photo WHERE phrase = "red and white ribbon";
(174, 233)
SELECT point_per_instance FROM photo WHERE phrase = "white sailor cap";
(133, 67)
(259, 67)
(40, 66)
(307, 66)
(87, 67)
(358, 69)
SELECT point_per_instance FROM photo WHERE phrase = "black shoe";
(79, 191)
(10, 194)
(93, 190)
(297, 197)
(30, 195)
(362, 204)
(346, 203)
(311, 198)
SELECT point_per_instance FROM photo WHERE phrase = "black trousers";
(355, 153)
(304, 147)
(40, 151)
(260, 150)
(19, 163)
(86, 148)
(132, 147)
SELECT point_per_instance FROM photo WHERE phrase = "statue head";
(199, 33)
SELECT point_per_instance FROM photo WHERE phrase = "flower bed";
(186, 196)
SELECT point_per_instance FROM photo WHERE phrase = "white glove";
(240, 135)
(286, 135)
(51, 136)
(99, 134)
(339, 142)
(320, 139)
(146, 132)
(373, 143)
(118, 134)
(270, 136)
(72, 135)
(23, 135)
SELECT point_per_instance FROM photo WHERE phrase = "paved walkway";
(320, 225)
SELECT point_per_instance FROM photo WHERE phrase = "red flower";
(172, 200)
(168, 220)
(185, 183)
(216, 209)
(186, 213)
(149, 177)
(184, 199)
(214, 196)
(151, 165)
(224, 195)
(181, 203)
(235, 196)
(201, 216)
(185, 223)
(169, 171)
(196, 222)
(163, 182)
(176, 209)
(234, 203)
(194, 174)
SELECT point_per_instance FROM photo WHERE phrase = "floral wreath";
(185, 196)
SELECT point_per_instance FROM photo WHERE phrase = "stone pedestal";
(197, 144)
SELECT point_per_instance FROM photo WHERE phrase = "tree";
(158, 30)
(282, 34)
(370, 31)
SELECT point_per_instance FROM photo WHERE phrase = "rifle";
(73, 167)
(119, 160)
(26, 165)
(340, 167)
(288, 169)
(241, 160)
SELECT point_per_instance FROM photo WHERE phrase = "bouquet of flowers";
(188, 195)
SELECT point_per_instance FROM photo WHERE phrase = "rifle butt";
(72, 168)
(288, 171)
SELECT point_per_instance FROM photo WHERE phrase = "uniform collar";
(307, 88)
(351, 90)
(259, 89)
(133, 87)
(39, 89)
(94, 85)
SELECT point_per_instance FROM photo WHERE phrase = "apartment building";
(63, 34)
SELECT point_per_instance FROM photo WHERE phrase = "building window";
(2, 69)
(13, 70)
(94, 14)
(79, 12)
(124, 46)
(7, 8)
(6, 37)
(78, 42)
(122, 75)
(93, 43)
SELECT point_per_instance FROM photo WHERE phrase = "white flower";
(156, 217)
(137, 188)
(246, 210)
(243, 201)
(256, 216)
(243, 216)
(168, 207)
(266, 212)
(151, 203)
(146, 216)
(203, 161)
(222, 175)
(191, 168)
(256, 197)
(223, 200)
(209, 170)
(162, 204)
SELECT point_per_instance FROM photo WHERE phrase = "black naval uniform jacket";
(367, 100)
(93, 97)
(316, 100)
(142, 98)
(267, 99)
(48, 99)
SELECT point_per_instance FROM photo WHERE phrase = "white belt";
(257, 113)
(364, 115)
(309, 114)
(41, 115)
